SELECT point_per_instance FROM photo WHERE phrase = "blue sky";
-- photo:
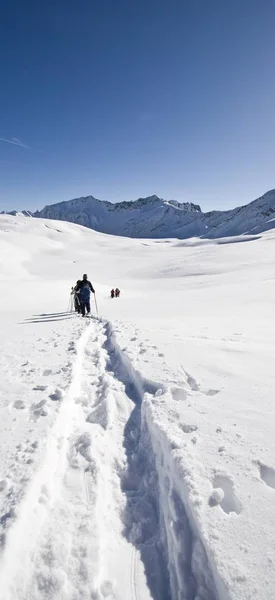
(126, 98)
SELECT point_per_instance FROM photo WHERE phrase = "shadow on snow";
(139, 482)
(48, 318)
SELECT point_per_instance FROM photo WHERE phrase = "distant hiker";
(117, 293)
(112, 293)
(77, 305)
(84, 287)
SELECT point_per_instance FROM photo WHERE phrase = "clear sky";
(127, 98)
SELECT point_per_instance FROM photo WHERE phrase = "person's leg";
(88, 306)
(82, 306)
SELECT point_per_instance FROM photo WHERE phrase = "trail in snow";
(103, 516)
(196, 457)
(69, 540)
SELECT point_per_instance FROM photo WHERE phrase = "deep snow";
(137, 448)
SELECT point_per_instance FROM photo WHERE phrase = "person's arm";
(91, 287)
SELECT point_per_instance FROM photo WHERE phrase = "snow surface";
(156, 218)
(137, 448)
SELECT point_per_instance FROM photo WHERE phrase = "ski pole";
(96, 306)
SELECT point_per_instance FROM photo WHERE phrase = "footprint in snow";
(225, 495)
(19, 404)
(38, 410)
(107, 589)
(188, 428)
(192, 383)
(82, 446)
(3, 484)
(40, 388)
(194, 386)
(99, 415)
(178, 394)
(267, 475)
(211, 392)
(7, 518)
(56, 395)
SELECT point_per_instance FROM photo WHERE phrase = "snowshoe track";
(95, 521)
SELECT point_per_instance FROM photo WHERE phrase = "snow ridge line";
(17, 557)
(158, 476)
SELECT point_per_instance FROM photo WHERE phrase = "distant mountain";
(145, 217)
(14, 213)
(154, 217)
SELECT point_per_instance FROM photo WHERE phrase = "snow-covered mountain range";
(150, 217)
(153, 217)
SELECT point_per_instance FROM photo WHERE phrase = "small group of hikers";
(81, 293)
(115, 293)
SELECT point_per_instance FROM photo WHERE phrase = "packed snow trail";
(101, 518)
(68, 540)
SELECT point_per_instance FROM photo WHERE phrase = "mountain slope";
(146, 217)
(156, 218)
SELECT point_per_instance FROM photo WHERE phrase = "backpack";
(85, 293)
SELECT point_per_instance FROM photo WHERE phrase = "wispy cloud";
(15, 141)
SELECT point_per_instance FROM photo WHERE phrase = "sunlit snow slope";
(156, 218)
(137, 447)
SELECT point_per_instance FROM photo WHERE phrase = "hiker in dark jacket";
(76, 299)
(84, 287)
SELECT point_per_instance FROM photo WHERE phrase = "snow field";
(137, 449)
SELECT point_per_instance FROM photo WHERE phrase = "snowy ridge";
(16, 213)
(156, 218)
(144, 217)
